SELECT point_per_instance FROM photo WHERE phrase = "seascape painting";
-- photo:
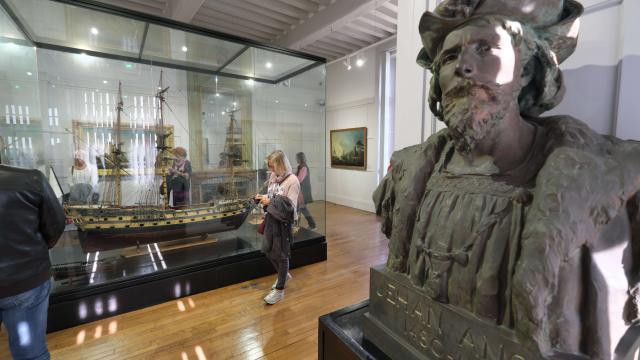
(349, 148)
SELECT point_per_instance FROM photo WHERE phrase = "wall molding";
(351, 202)
(352, 104)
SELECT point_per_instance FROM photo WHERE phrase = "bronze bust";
(527, 222)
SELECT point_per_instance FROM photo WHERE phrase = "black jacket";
(31, 222)
(278, 234)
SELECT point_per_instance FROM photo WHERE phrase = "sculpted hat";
(556, 22)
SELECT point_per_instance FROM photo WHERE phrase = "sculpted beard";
(470, 112)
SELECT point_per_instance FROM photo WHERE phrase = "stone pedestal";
(406, 324)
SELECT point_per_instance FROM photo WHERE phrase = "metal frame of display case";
(91, 303)
(152, 19)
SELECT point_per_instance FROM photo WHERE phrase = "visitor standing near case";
(180, 173)
(304, 177)
(280, 204)
(32, 220)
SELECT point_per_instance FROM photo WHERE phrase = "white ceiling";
(328, 28)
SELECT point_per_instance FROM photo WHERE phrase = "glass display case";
(154, 134)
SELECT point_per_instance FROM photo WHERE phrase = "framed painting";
(349, 148)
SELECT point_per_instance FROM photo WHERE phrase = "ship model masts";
(115, 225)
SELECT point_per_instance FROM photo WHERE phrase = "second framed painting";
(349, 148)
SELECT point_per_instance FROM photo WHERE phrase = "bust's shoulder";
(577, 156)
(566, 134)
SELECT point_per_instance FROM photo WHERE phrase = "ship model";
(110, 225)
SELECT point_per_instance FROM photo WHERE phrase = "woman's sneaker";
(274, 296)
(285, 281)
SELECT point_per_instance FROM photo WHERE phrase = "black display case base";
(340, 335)
(94, 303)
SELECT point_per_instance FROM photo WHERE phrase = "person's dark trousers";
(179, 198)
(282, 267)
(25, 318)
(307, 215)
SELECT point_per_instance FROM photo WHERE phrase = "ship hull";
(110, 239)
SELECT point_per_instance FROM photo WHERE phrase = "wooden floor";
(234, 322)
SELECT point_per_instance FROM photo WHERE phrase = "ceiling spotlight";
(235, 103)
(222, 113)
(105, 82)
(359, 62)
(94, 31)
(305, 105)
(184, 48)
(268, 65)
(128, 65)
(250, 81)
(218, 94)
(277, 101)
(29, 73)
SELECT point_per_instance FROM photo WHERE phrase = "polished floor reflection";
(233, 322)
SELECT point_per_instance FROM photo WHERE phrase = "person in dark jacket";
(280, 202)
(304, 177)
(32, 220)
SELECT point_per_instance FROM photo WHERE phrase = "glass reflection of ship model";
(110, 224)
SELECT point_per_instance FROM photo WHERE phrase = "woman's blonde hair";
(280, 162)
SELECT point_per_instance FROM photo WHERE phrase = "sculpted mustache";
(466, 89)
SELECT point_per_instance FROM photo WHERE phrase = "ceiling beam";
(358, 35)
(135, 6)
(391, 6)
(379, 14)
(225, 29)
(214, 16)
(318, 53)
(182, 10)
(246, 10)
(327, 49)
(238, 9)
(282, 8)
(368, 29)
(151, 3)
(305, 5)
(335, 45)
(235, 25)
(327, 53)
(347, 40)
(378, 23)
(357, 43)
(335, 16)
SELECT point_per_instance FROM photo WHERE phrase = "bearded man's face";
(479, 77)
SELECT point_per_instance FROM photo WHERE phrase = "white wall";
(412, 121)
(352, 101)
(591, 73)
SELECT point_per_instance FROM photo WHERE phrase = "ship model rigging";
(111, 224)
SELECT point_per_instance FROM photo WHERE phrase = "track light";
(347, 63)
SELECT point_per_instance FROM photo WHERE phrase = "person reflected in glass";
(84, 179)
(179, 177)
(280, 204)
(304, 177)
